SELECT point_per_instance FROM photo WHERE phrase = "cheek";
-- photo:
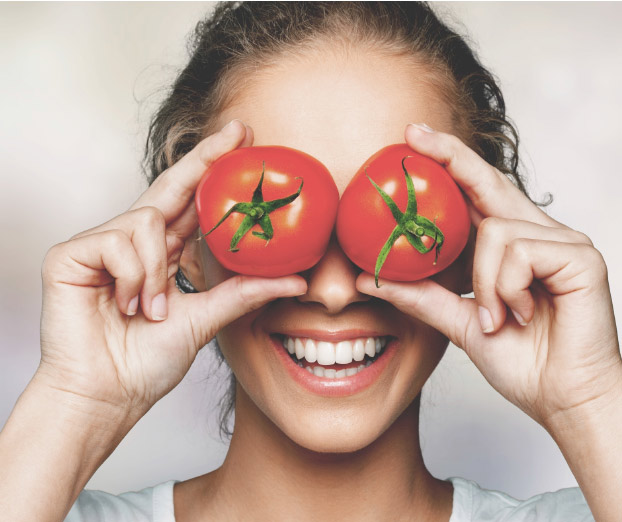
(238, 342)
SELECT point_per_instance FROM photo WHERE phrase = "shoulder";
(473, 503)
(152, 504)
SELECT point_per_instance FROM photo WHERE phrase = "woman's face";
(340, 107)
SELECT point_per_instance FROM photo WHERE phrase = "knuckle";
(491, 228)
(151, 217)
(453, 145)
(518, 250)
(50, 261)
(595, 260)
(583, 238)
(503, 286)
(115, 239)
(136, 272)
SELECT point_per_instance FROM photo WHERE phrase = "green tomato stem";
(409, 224)
(257, 213)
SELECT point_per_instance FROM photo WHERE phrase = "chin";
(332, 433)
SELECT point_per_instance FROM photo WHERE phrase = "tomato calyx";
(411, 225)
(257, 213)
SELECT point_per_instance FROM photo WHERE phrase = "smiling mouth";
(334, 360)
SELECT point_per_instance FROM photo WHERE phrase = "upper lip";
(331, 336)
(289, 318)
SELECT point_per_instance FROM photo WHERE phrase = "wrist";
(588, 436)
(54, 433)
(79, 407)
(596, 407)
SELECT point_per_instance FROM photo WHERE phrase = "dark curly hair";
(239, 36)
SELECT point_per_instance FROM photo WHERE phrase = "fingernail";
(159, 309)
(422, 126)
(229, 126)
(485, 320)
(519, 318)
(132, 306)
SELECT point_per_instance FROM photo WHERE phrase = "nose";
(332, 282)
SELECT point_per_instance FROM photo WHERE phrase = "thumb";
(454, 316)
(208, 312)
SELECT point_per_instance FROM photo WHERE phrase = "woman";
(338, 81)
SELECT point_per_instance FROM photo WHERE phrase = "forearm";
(50, 447)
(590, 438)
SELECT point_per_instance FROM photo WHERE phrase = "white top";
(471, 504)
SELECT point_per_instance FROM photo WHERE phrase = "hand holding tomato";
(115, 331)
(558, 349)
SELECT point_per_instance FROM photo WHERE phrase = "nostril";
(334, 296)
(332, 282)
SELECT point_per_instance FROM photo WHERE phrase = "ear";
(190, 261)
(467, 255)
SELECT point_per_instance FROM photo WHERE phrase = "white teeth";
(325, 353)
(358, 350)
(343, 352)
(310, 350)
(329, 373)
(370, 346)
(300, 349)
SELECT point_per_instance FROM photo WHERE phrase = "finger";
(492, 193)
(96, 260)
(562, 268)
(174, 188)
(431, 303)
(147, 230)
(493, 237)
(148, 235)
(208, 312)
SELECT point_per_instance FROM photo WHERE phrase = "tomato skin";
(302, 228)
(365, 222)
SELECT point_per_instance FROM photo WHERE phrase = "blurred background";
(78, 84)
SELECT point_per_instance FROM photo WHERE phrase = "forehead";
(340, 107)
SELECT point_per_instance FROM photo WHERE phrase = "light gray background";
(78, 84)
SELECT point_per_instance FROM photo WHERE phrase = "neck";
(267, 476)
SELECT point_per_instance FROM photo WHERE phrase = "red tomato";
(387, 236)
(275, 224)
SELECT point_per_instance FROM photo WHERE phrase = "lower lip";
(336, 387)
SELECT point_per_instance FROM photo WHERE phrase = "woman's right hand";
(114, 328)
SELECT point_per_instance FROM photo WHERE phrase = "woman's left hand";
(557, 350)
